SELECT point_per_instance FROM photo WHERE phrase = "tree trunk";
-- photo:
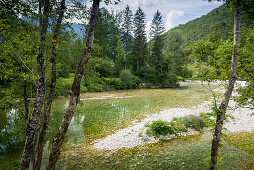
(46, 116)
(75, 89)
(26, 103)
(40, 93)
(137, 64)
(232, 78)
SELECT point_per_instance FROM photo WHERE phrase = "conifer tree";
(127, 31)
(157, 59)
(139, 42)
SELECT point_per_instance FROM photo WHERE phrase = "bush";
(103, 66)
(114, 83)
(190, 121)
(135, 82)
(159, 128)
(171, 80)
(94, 88)
(180, 129)
(63, 86)
(209, 119)
(83, 89)
(129, 81)
(179, 78)
(146, 74)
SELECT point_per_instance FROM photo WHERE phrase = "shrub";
(114, 83)
(94, 88)
(180, 129)
(135, 82)
(96, 69)
(129, 80)
(103, 66)
(63, 86)
(190, 121)
(208, 119)
(171, 80)
(159, 128)
(83, 89)
(146, 74)
(179, 78)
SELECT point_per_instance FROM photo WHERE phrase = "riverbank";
(135, 135)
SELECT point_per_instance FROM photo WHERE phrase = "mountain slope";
(220, 19)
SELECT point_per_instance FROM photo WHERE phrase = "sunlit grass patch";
(241, 140)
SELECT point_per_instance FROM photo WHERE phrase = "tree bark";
(232, 78)
(46, 116)
(26, 103)
(137, 64)
(75, 89)
(40, 93)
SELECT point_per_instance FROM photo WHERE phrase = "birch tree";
(227, 95)
(75, 89)
(40, 92)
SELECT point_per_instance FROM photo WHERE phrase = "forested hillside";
(219, 20)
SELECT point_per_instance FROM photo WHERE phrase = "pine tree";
(101, 34)
(157, 59)
(113, 32)
(127, 31)
(139, 43)
(157, 27)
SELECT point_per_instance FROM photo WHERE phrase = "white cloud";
(171, 17)
(171, 10)
(147, 29)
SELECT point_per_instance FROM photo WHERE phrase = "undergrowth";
(178, 125)
(162, 128)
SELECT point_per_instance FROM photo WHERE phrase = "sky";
(174, 12)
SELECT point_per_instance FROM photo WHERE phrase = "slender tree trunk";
(137, 64)
(75, 89)
(46, 116)
(232, 78)
(26, 103)
(40, 93)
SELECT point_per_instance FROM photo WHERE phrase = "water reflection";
(12, 128)
(93, 119)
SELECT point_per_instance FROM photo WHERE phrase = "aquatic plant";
(162, 128)
(190, 121)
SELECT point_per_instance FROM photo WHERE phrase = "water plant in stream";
(162, 128)
(189, 121)
(189, 152)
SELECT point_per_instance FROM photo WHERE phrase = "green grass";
(241, 140)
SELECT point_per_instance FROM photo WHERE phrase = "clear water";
(96, 119)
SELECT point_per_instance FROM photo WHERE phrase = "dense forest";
(115, 64)
(43, 56)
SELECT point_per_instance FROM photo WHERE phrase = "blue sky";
(174, 12)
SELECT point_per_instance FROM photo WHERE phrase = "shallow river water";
(101, 114)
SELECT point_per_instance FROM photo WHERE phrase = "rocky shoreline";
(135, 134)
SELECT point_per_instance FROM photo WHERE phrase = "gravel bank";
(134, 135)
